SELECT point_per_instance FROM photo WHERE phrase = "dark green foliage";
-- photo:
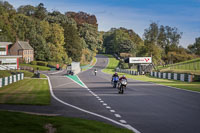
(195, 48)
(121, 41)
(42, 63)
(40, 11)
(160, 41)
(27, 10)
(33, 62)
(73, 44)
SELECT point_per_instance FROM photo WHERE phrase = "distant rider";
(95, 72)
(115, 75)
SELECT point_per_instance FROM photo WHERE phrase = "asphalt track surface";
(147, 107)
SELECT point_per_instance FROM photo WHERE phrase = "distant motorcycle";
(115, 81)
(122, 86)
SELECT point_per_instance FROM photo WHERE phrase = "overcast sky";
(133, 14)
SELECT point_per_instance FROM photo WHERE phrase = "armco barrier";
(174, 76)
(9, 80)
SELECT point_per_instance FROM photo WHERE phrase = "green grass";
(12, 122)
(4, 73)
(42, 68)
(194, 86)
(112, 64)
(190, 66)
(27, 91)
(88, 66)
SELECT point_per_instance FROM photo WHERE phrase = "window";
(2, 49)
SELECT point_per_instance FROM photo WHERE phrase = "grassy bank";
(190, 66)
(112, 64)
(194, 86)
(86, 67)
(6, 73)
(11, 122)
(41, 68)
(27, 91)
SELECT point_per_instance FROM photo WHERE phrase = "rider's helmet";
(123, 76)
(116, 73)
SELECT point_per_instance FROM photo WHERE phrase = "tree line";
(160, 42)
(54, 36)
(74, 36)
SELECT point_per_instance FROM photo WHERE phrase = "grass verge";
(27, 91)
(110, 69)
(112, 64)
(11, 122)
(41, 68)
(84, 68)
(6, 73)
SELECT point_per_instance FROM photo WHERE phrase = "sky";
(133, 14)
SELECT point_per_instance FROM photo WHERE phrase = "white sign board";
(140, 60)
(9, 60)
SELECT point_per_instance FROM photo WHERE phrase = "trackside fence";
(173, 76)
(127, 71)
(11, 79)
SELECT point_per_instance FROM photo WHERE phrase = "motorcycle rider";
(115, 75)
(123, 77)
(115, 79)
(120, 79)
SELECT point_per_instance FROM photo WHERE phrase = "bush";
(33, 62)
(42, 63)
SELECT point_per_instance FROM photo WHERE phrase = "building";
(7, 61)
(24, 49)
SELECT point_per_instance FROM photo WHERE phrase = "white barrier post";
(175, 76)
(190, 78)
(169, 75)
(18, 76)
(159, 74)
(164, 75)
(182, 77)
(14, 78)
(6, 81)
(10, 79)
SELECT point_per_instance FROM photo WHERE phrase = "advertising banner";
(140, 60)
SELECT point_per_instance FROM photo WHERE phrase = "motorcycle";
(122, 86)
(115, 81)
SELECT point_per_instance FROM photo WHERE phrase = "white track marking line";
(108, 107)
(104, 104)
(101, 101)
(112, 111)
(123, 121)
(89, 112)
(117, 115)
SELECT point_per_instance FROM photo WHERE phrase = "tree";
(27, 10)
(40, 11)
(195, 48)
(73, 43)
(163, 38)
(120, 40)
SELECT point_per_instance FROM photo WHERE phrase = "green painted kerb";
(76, 79)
